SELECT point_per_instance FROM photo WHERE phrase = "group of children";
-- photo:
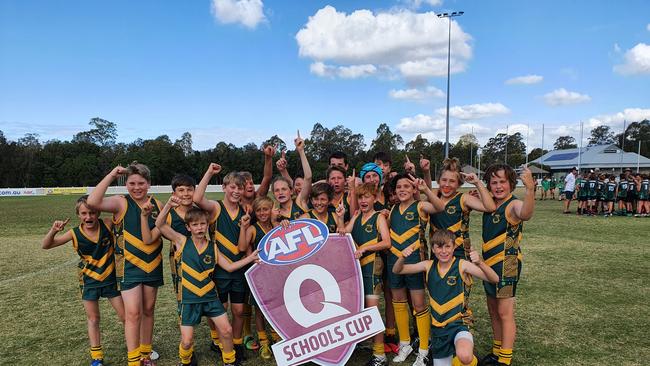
(597, 193)
(412, 243)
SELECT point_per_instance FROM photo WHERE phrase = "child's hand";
(474, 193)
(527, 178)
(408, 166)
(475, 257)
(285, 223)
(470, 178)
(406, 252)
(425, 164)
(351, 181)
(385, 212)
(245, 221)
(358, 253)
(340, 210)
(269, 150)
(146, 209)
(59, 225)
(299, 142)
(213, 169)
(117, 171)
(281, 164)
(255, 255)
(174, 201)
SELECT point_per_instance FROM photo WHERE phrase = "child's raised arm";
(303, 197)
(199, 194)
(231, 267)
(244, 232)
(51, 240)
(401, 268)
(484, 202)
(478, 268)
(425, 165)
(263, 190)
(113, 204)
(281, 165)
(163, 227)
(434, 203)
(523, 210)
(339, 215)
(149, 236)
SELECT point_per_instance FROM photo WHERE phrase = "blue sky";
(241, 71)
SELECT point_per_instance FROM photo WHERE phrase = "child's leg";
(186, 347)
(214, 334)
(94, 335)
(495, 321)
(225, 331)
(464, 345)
(506, 309)
(422, 318)
(149, 295)
(118, 304)
(389, 311)
(237, 322)
(401, 308)
(378, 340)
(133, 314)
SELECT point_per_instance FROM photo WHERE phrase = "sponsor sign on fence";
(15, 192)
(309, 287)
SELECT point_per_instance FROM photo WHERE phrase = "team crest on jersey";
(451, 280)
(368, 228)
(106, 242)
(302, 239)
(207, 259)
(409, 216)
(496, 218)
(451, 210)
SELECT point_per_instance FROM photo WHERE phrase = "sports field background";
(584, 298)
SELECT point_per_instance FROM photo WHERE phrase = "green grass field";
(583, 298)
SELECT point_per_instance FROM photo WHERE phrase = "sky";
(241, 71)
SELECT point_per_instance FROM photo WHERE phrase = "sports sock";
(262, 337)
(237, 341)
(185, 354)
(215, 337)
(496, 347)
(275, 336)
(390, 332)
(145, 351)
(96, 352)
(402, 320)
(133, 357)
(423, 320)
(378, 349)
(505, 356)
(456, 362)
(228, 357)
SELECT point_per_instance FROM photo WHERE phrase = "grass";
(582, 299)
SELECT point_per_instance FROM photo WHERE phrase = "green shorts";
(94, 293)
(191, 314)
(506, 287)
(123, 286)
(443, 340)
(410, 282)
(234, 290)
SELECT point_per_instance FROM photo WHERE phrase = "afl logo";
(302, 239)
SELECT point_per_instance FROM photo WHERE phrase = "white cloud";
(415, 4)
(527, 79)
(420, 123)
(417, 94)
(345, 72)
(414, 45)
(637, 61)
(648, 27)
(562, 96)
(249, 13)
(617, 48)
(523, 129)
(475, 111)
(616, 119)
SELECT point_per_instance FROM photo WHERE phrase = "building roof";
(467, 169)
(592, 157)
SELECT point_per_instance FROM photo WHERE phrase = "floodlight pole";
(449, 16)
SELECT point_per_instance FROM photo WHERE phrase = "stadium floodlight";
(449, 16)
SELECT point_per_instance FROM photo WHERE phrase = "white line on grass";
(33, 274)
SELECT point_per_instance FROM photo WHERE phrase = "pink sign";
(309, 288)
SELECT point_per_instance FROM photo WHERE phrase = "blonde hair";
(451, 165)
(261, 202)
(139, 169)
(234, 177)
(366, 188)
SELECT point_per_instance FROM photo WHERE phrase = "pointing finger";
(298, 133)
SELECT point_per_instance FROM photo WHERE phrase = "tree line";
(87, 157)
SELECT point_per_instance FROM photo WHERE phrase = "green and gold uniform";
(96, 267)
(259, 234)
(610, 192)
(225, 233)
(501, 250)
(622, 189)
(582, 189)
(407, 230)
(592, 189)
(331, 221)
(296, 212)
(346, 202)
(447, 304)
(135, 262)
(644, 192)
(197, 295)
(454, 218)
(364, 234)
(601, 190)
(176, 222)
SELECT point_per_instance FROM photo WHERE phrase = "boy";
(384, 161)
(371, 235)
(408, 220)
(610, 195)
(621, 195)
(197, 259)
(321, 198)
(581, 188)
(289, 208)
(225, 216)
(592, 194)
(643, 195)
(93, 241)
(446, 278)
(502, 232)
(138, 265)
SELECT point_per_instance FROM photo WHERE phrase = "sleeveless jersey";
(135, 261)
(364, 234)
(295, 213)
(622, 188)
(644, 192)
(225, 233)
(501, 240)
(346, 202)
(331, 222)
(582, 185)
(407, 230)
(592, 185)
(610, 191)
(195, 273)
(601, 189)
(176, 222)
(96, 262)
(381, 205)
(454, 218)
(446, 293)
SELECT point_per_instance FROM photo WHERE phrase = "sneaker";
(97, 362)
(378, 361)
(215, 348)
(154, 355)
(240, 354)
(251, 343)
(193, 362)
(489, 360)
(404, 351)
(265, 351)
(148, 362)
(415, 343)
(391, 345)
(422, 359)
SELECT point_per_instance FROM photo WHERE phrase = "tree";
(601, 135)
(467, 145)
(185, 143)
(495, 150)
(104, 133)
(635, 132)
(536, 153)
(419, 145)
(386, 141)
(323, 141)
(275, 140)
(565, 142)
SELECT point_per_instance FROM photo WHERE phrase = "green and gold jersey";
(195, 272)
(225, 233)
(176, 222)
(592, 188)
(610, 191)
(134, 260)
(96, 261)
(295, 212)
(501, 242)
(454, 218)
(407, 230)
(346, 202)
(644, 191)
(364, 234)
(331, 221)
(582, 187)
(446, 293)
(623, 187)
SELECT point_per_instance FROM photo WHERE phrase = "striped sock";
(185, 354)
(96, 352)
(456, 362)
(145, 351)
(378, 349)
(402, 320)
(133, 357)
(423, 320)
(505, 356)
(237, 341)
(496, 347)
(228, 357)
(263, 338)
(215, 337)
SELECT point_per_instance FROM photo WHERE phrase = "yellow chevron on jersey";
(195, 272)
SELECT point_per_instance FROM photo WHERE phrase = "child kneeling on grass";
(446, 278)
(94, 243)
(197, 258)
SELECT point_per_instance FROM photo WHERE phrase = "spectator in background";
(569, 187)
